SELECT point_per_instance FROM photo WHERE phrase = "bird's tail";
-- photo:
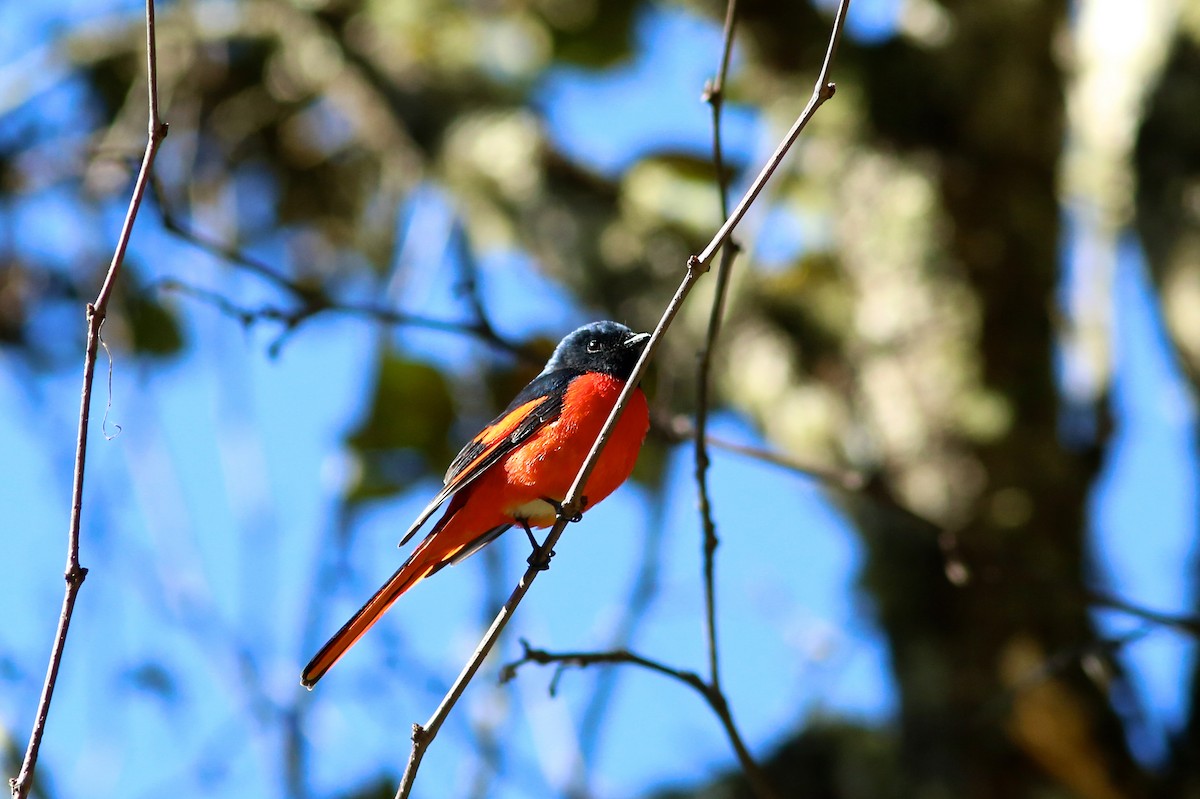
(424, 560)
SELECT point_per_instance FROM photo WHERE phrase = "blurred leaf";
(411, 415)
(110, 78)
(13, 297)
(686, 165)
(153, 678)
(826, 759)
(153, 328)
(674, 192)
(505, 383)
(811, 302)
(382, 787)
(590, 34)
(652, 462)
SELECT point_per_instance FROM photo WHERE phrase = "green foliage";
(590, 33)
(154, 330)
(411, 413)
(811, 303)
(826, 760)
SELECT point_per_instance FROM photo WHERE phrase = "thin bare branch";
(677, 429)
(710, 693)
(469, 285)
(172, 224)
(95, 313)
(836, 478)
(572, 504)
(313, 300)
(316, 303)
(714, 94)
(1189, 624)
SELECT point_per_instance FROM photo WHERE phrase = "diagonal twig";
(95, 313)
(697, 266)
(172, 224)
(311, 300)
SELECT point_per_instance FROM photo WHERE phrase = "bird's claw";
(538, 561)
(558, 508)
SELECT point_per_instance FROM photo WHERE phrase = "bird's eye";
(593, 345)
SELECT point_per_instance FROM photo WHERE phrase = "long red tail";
(424, 560)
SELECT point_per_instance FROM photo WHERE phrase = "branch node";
(75, 575)
(419, 734)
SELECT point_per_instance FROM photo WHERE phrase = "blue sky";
(206, 516)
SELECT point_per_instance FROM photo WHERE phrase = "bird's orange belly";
(547, 468)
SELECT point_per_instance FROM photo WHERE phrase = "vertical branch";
(95, 313)
(714, 95)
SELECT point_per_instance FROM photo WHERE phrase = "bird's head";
(607, 347)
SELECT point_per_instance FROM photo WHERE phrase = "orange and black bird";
(518, 470)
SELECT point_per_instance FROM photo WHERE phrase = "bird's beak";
(637, 340)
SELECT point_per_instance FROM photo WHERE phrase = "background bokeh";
(974, 283)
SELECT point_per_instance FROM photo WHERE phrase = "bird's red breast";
(545, 466)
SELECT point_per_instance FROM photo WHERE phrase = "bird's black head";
(607, 347)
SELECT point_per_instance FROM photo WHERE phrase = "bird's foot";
(558, 508)
(537, 559)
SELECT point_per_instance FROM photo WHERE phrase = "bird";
(518, 469)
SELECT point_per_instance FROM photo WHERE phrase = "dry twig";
(711, 694)
(310, 300)
(714, 94)
(75, 573)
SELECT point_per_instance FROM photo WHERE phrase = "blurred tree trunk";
(986, 615)
(984, 714)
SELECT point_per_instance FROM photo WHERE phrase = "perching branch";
(95, 313)
(822, 91)
(572, 504)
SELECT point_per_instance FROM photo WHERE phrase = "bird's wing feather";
(539, 403)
